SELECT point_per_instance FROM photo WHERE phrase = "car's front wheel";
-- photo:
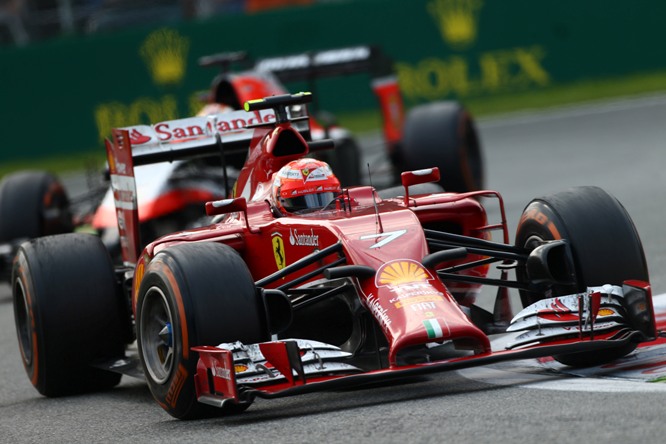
(604, 244)
(193, 294)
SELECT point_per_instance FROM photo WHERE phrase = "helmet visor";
(307, 202)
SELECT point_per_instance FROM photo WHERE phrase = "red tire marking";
(179, 379)
(543, 220)
(553, 230)
(162, 267)
(176, 386)
(34, 376)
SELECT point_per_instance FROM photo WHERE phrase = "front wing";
(238, 373)
(216, 377)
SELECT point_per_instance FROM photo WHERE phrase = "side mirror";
(416, 177)
(226, 206)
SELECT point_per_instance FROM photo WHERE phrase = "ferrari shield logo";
(278, 251)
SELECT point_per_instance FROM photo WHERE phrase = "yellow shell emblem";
(403, 272)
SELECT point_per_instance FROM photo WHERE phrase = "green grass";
(358, 122)
(554, 96)
(578, 92)
(57, 164)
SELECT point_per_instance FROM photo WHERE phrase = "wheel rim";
(23, 324)
(156, 332)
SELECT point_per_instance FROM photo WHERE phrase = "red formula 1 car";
(369, 287)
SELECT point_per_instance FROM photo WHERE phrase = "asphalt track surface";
(618, 146)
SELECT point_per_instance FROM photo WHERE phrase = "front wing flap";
(603, 318)
(603, 311)
(217, 382)
(222, 369)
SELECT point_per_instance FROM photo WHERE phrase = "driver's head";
(304, 185)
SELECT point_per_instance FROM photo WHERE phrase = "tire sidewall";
(212, 298)
(177, 394)
(539, 223)
(31, 324)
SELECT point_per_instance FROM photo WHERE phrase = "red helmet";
(304, 185)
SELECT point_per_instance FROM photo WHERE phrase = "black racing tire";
(204, 294)
(344, 160)
(604, 243)
(68, 313)
(33, 204)
(442, 134)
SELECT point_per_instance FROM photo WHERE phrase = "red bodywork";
(395, 251)
(409, 301)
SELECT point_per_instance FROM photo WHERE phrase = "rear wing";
(218, 134)
(181, 139)
(328, 63)
(309, 65)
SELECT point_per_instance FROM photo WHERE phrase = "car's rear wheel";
(190, 295)
(33, 204)
(442, 134)
(604, 243)
(68, 314)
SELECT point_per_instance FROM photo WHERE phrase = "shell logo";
(402, 272)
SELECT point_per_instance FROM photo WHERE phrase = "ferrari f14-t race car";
(171, 194)
(371, 286)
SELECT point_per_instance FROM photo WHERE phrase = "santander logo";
(136, 138)
(196, 127)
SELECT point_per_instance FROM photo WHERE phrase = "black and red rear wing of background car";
(312, 65)
(309, 65)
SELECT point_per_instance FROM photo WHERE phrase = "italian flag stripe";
(433, 328)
